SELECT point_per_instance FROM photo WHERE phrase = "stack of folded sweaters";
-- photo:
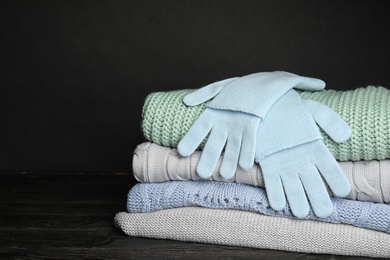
(171, 201)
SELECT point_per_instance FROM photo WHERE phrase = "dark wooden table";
(71, 216)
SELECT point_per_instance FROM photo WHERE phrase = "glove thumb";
(329, 121)
(207, 92)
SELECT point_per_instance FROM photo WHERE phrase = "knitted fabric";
(149, 197)
(370, 180)
(250, 229)
(165, 120)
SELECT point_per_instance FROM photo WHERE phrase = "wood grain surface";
(63, 215)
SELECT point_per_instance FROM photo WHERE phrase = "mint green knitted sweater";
(165, 120)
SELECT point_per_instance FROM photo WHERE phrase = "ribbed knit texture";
(249, 229)
(165, 120)
(149, 197)
(370, 180)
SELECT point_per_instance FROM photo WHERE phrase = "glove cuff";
(259, 91)
(287, 125)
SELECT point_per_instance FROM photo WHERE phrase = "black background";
(74, 74)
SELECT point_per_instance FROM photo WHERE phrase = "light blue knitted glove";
(293, 157)
(233, 116)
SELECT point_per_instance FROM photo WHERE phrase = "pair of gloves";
(261, 118)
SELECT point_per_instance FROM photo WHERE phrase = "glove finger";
(195, 135)
(211, 153)
(230, 158)
(295, 194)
(316, 191)
(248, 148)
(205, 93)
(307, 83)
(300, 82)
(274, 188)
(334, 176)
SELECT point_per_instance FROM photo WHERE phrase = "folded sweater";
(149, 197)
(166, 119)
(370, 180)
(250, 229)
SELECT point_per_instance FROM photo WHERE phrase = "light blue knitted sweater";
(148, 197)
